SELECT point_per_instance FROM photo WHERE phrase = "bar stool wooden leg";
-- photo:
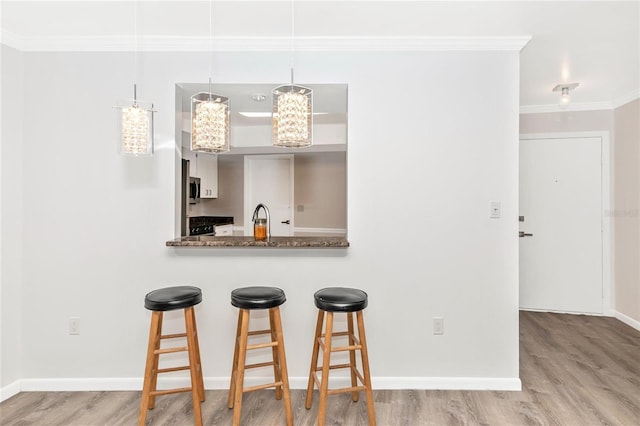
(198, 361)
(314, 359)
(150, 373)
(234, 367)
(326, 366)
(156, 361)
(352, 356)
(283, 374)
(275, 353)
(193, 365)
(365, 369)
(242, 358)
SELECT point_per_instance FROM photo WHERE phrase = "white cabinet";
(205, 167)
(207, 171)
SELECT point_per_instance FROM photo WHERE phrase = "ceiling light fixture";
(258, 97)
(292, 111)
(135, 118)
(209, 114)
(565, 96)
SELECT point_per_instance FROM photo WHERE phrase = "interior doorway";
(268, 179)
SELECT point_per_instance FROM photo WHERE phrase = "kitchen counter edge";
(274, 242)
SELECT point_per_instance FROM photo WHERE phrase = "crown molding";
(625, 99)
(259, 44)
(585, 106)
(10, 39)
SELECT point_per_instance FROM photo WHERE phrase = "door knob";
(523, 234)
(286, 222)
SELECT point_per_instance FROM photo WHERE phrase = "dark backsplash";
(210, 220)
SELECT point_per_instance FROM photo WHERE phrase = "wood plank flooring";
(575, 370)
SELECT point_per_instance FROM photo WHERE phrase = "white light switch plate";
(495, 210)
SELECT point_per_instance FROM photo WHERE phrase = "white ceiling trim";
(585, 106)
(261, 44)
(10, 39)
(631, 96)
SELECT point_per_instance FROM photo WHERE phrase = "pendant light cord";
(210, 46)
(292, 38)
(135, 52)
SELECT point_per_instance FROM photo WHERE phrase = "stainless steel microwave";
(194, 190)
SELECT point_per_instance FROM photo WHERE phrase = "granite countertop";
(274, 242)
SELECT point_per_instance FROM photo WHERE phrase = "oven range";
(206, 225)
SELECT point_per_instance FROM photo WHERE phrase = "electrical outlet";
(74, 325)
(438, 325)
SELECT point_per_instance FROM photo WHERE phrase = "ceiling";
(594, 43)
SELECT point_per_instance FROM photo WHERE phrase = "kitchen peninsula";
(273, 242)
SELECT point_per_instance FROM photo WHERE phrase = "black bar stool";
(248, 299)
(169, 299)
(329, 301)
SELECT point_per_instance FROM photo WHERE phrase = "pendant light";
(135, 118)
(292, 110)
(209, 115)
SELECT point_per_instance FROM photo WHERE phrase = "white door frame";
(607, 270)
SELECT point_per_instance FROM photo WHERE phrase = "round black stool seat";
(340, 299)
(257, 297)
(170, 298)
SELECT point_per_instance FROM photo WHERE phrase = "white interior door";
(561, 263)
(268, 179)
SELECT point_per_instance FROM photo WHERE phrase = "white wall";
(567, 121)
(321, 189)
(432, 137)
(11, 186)
(626, 212)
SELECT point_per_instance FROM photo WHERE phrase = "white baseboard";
(628, 320)
(85, 384)
(609, 312)
(10, 390)
(556, 311)
(135, 384)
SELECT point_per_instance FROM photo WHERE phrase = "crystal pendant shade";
(292, 116)
(135, 128)
(209, 123)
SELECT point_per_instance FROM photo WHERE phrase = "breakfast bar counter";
(273, 242)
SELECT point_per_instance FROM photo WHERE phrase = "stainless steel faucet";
(255, 216)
